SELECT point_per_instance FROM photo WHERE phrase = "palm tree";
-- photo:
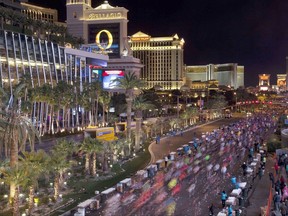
(139, 105)
(35, 163)
(107, 152)
(192, 112)
(105, 101)
(94, 91)
(173, 122)
(97, 147)
(16, 176)
(161, 122)
(67, 147)
(16, 127)
(217, 103)
(129, 83)
(3, 16)
(87, 148)
(63, 95)
(120, 147)
(185, 116)
(59, 164)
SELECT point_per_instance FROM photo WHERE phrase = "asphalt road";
(171, 143)
(191, 202)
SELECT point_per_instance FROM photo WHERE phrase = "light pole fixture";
(235, 93)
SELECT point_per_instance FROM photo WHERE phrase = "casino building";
(45, 62)
(230, 74)
(104, 30)
(40, 13)
(163, 59)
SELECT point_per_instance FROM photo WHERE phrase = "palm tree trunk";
(68, 118)
(13, 158)
(87, 163)
(129, 110)
(57, 121)
(16, 203)
(103, 113)
(104, 167)
(161, 129)
(83, 118)
(41, 118)
(77, 116)
(96, 111)
(56, 186)
(94, 161)
(137, 134)
(50, 120)
(31, 199)
(2, 23)
(44, 125)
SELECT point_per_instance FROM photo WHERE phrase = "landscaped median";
(89, 186)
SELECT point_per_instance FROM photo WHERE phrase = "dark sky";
(252, 33)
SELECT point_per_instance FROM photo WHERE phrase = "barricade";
(268, 209)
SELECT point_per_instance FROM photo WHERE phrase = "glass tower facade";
(44, 62)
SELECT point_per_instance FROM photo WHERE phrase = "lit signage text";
(94, 16)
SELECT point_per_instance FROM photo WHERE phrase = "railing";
(269, 202)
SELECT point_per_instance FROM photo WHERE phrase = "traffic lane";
(171, 143)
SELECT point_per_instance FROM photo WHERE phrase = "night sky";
(252, 33)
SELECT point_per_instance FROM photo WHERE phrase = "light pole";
(235, 93)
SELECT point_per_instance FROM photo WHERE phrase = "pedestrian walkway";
(259, 195)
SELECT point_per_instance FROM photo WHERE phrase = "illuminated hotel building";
(40, 13)
(32, 11)
(230, 74)
(44, 61)
(281, 81)
(264, 82)
(162, 57)
(104, 30)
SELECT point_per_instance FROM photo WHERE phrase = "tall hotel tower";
(162, 58)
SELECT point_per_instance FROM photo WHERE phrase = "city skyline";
(251, 34)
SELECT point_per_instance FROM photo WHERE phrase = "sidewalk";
(260, 194)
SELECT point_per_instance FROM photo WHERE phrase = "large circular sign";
(110, 39)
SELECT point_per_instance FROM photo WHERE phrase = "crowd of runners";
(191, 182)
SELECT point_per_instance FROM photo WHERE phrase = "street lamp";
(235, 93)
(177, 108)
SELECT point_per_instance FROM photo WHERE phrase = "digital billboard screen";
(104, 38)
(109, 76)
(97, 74)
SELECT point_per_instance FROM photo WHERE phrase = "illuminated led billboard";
(104, 38)
(281, 80)
(97, 74)
(109, 76)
